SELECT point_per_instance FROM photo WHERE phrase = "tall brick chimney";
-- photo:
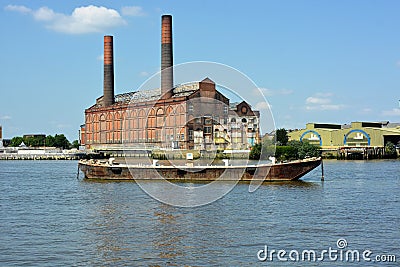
(167, 76)
(108, 85)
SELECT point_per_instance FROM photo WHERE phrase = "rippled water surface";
(50, 218)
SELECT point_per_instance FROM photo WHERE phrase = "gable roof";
(207, 80)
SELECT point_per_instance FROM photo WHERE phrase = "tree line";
(58, 140)
(282, 149)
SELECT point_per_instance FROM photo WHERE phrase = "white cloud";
(273, 92)
(322, 101)
(317, 100)
(135, 11)
(88, 19)
(392, 112)
(262, 106)
(21, 9)
(45, 14)
(85, 19)
(5, 117)
(100, 57)
(326, 107)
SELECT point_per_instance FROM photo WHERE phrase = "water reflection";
(108, 218)
(169, 236)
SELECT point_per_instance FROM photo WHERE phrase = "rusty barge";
(289, 171)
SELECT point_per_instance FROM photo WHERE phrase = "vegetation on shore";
(59, 140)
(390, 150)
(282, 149)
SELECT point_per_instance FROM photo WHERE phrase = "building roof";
(139, 96)
(180, 90)
(207, 80)
(186, 89)
(154, 94)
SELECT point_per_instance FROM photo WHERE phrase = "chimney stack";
(167, 76)
(108, 86)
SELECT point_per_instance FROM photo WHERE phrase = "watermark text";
(339, 253)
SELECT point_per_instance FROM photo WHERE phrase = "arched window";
(160, 117)
(151, 119)
(103, 128)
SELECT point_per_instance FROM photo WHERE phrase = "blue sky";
(315, 61)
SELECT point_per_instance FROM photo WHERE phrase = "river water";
(50, 218)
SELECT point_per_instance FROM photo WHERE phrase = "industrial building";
(189, 116)
(356, 134)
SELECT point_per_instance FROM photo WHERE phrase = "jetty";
(364, 153)
(42, 157)
(40, 154)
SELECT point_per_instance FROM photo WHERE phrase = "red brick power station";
(191, 116)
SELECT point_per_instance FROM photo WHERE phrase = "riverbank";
(42, 156)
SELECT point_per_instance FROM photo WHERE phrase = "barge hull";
(264, 172)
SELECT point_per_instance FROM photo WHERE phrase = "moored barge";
(107, 170)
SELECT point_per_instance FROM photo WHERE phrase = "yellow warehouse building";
(356, 134)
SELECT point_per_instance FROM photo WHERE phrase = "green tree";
(390, 150)
(281, 137)
(34, 141)
(255, 151)
(61, 141)
(268, 148)
(16, 141)
(297, 150)
(286, 153)
(307, 150)
(75, 144)
(263, 151)
(296, 144)
(50, 140)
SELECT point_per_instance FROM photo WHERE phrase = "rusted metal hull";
(263, 172)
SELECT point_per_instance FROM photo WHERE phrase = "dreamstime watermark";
(165, 126)
(339, 253)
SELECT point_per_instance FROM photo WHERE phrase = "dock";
(36, 154)
(363, 153)
(40, 157)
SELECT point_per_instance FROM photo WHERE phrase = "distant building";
(357, 134)
(188, 116)
(34, 136)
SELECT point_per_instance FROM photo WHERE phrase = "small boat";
(108, 170)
